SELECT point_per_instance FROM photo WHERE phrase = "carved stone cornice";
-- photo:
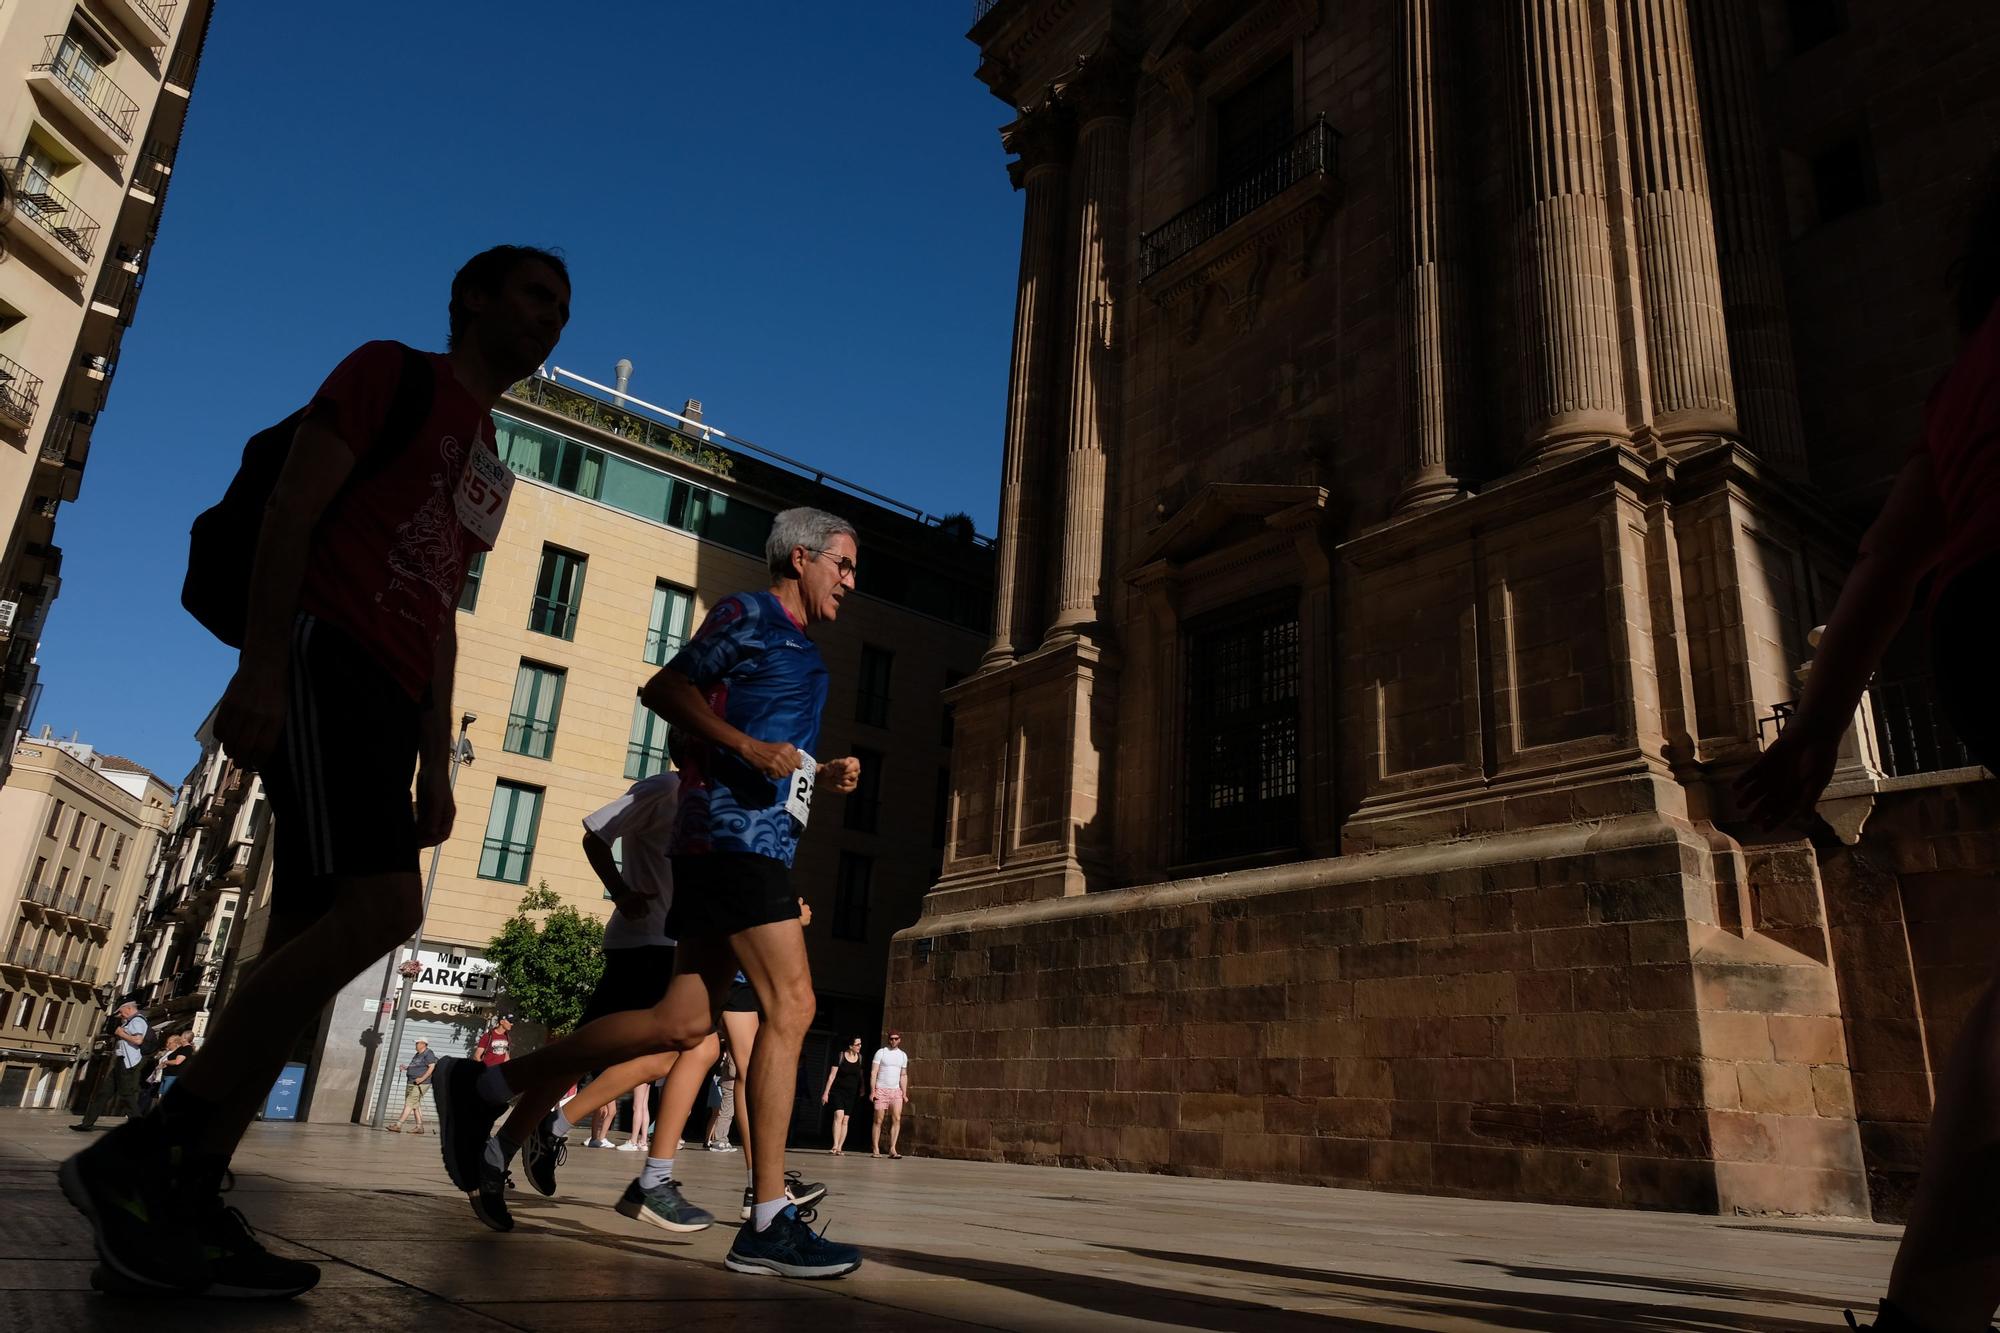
(1025, 25)
(1234, 263)
(1102, 85)
(1043, 135)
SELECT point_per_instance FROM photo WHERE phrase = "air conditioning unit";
(7, 613)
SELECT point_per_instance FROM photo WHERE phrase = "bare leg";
(875, 1136)
(642, 1117)
(773, 956)
(839, 1130)
(1947, 1273)
(741, 1030)
(305, 963)
(600, 1120)
(684, 1085)
(895, 1126)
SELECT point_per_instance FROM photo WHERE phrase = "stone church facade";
(1434, 431)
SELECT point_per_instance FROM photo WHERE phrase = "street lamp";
(460, 756)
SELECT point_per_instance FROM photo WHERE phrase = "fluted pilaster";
(1747, 233)
(1431, 366)
(1687, 342)
(1101, 95)
(1569, 327)
(1042, 138)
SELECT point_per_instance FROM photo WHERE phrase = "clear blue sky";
(796, 212)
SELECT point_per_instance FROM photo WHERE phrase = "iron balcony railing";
(65, 58)
(1311, 155)
(61, 439)
(981, 8)
(119, 289)
(20, 392)
(1912, 731)
(37, 199)
(160, 13)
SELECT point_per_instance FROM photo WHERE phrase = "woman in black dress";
(843, 1091)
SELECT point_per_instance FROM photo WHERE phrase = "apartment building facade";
(79, 831)
(88, 139)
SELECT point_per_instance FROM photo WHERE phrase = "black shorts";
(742, 1000)
(634, 978)
(718, 894)
(339, 783)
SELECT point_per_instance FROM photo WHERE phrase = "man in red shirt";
(341, 700)
(493, 1047)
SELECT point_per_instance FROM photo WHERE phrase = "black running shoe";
(802, 1193)
(544, 1151)
(239, 1267)
(465, 1120)
(789, 1248)
(664, 1206)
(132, 1186)
(489, 1204)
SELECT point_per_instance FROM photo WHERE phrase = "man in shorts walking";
(418, 1073)
(889, 1083)
(744, 697)
(342, 700)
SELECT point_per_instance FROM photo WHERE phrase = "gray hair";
(810, 528)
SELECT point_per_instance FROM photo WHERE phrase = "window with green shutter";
(510, 833)
(531, 722)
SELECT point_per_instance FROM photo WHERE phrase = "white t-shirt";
(643, 819)
(889, 1067)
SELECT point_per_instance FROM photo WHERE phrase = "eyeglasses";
(846, 568)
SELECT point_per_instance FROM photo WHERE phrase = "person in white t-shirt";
(889, 1081)
(638, 964)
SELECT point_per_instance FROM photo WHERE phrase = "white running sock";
(561, 1125)
(749, 1179)
(659, 1170)
(766, 1213)
(500, 1153)
(493, 1086)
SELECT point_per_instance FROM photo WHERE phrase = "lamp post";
(461, 755)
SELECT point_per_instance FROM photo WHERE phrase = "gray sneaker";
(664, 1207)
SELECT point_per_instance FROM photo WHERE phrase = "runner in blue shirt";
(744, 698)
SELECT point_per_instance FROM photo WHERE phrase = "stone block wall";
(1549, 1015)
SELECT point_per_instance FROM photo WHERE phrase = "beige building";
(88, 137)
(626, 524)
(78, 832)
(1435, 429)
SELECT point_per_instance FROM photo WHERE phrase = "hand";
(251, 716)
(777, 761)
(843, 774)
(1787, 779)
(822, 1099)
(436, 808)
(633, 905)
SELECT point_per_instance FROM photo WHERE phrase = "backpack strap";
(416, 390)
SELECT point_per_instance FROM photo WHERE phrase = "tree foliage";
(548, 957)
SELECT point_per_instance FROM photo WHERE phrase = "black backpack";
(222, 544)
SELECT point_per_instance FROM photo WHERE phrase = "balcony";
(1912, 732)
(68, 440)
(20, 393)
(150, 19)
(237, 867)
(1311, 157)
(117, 293)
(153, 174)
(48, 219)
(99, 108)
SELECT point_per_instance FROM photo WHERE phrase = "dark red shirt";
(389, 558)
(1962, 436)
(493, 1047)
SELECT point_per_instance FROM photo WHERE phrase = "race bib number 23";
(799, 793)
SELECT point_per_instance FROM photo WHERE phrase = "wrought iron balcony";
(981, 8)
(39, 201)
(60, 443)
(158, 15)
(118, 292)
(64, 59)
(1310, 156)
(20, 392)
(1912, 730)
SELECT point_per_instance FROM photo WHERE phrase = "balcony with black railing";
(117, 292)
(20, 392)
(154, 18)
(981, 8)
(1311, 156)
(107, 110)
(47, 216)
(1911, 729)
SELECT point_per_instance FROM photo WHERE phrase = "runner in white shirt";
(890, 1083)
(638, 964)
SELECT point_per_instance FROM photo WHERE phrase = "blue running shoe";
(789, 1248)
(664, 1206)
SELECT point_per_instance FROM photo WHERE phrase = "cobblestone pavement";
(949, 1245)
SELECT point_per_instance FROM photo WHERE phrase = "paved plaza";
(949, 1245)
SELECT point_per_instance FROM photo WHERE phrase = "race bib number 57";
(483, 489)
(799, 794)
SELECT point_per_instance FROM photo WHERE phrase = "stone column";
(1573, 388)
(1687, 342)
(1742, 168)
(1101, 94)
(1042, 138)
(1431, 364)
